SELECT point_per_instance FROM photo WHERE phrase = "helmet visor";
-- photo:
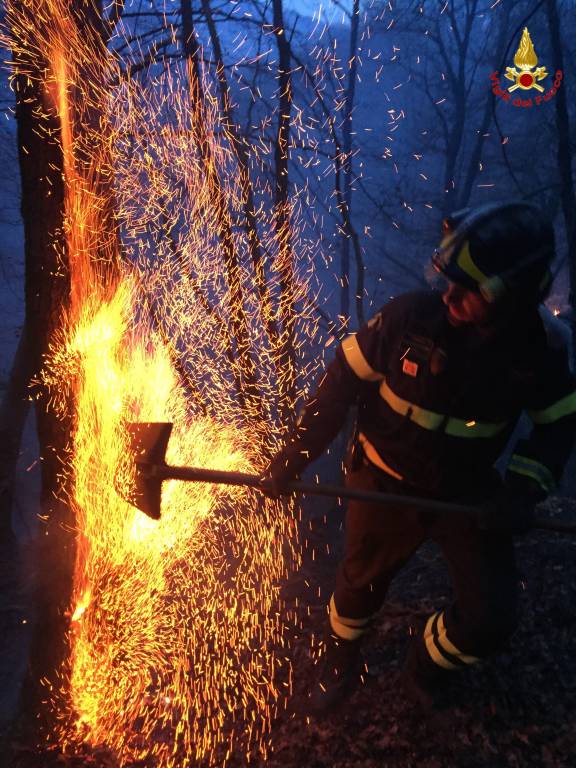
(453, 260)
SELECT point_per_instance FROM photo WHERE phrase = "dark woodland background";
(391, 125)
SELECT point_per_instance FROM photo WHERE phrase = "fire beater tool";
(149, 442)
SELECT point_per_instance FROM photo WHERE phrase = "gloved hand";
(510, 509)
(278, 475)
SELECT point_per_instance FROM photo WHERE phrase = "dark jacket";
(437, 404)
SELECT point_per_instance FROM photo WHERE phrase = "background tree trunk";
(347, 168)
(257, 254)
(457, 78)
(464, 193)
(246, 374)
(282, 213)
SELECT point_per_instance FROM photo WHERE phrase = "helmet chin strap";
(493, 289)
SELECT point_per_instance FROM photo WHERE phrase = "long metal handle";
(166, 472)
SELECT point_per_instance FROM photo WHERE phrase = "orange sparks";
(176, 625)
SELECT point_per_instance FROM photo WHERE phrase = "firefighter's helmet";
(499, 249)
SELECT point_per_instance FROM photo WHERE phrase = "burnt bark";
(47, 294)
(13, 413)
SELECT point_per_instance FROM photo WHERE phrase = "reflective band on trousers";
(347, 629)
(566, 406)
(443, 652)
(374, 457)
(531, 468)
(439, 421)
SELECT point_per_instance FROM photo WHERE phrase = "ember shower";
(176, 631)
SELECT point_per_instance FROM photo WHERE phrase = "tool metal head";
(148, 444)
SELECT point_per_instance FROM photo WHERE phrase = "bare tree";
(347, 169)
(255, 246)
(474, 155)
(282, 207)
(249, 391)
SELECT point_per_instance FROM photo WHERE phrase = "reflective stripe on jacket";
(438, 403)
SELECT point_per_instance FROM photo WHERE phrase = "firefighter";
(439, 380)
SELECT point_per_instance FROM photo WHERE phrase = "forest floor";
(517, 710)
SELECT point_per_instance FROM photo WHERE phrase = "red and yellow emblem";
(527, 74)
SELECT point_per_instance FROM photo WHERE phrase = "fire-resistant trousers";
(381, 539)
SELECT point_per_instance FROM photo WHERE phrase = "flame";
(81, 607)
(164, 594)
(177, 629)
(525, 57)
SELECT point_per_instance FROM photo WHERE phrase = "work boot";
(425, 685)
(335, 675)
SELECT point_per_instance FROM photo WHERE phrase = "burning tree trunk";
(47, 294)
(57, 101)
(565, 158)
(249, 393)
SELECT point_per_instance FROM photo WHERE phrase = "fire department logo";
(525, 76)
(526, 60)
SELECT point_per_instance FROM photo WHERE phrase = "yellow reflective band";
(466, 264)
(346, 633)
(422, 417)
(347, 629)
(374, 457)
(533, 469)
(433, 651)
(473, 428)
(449, 647)
(433, 421)
(356, 360)
(566, 406)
